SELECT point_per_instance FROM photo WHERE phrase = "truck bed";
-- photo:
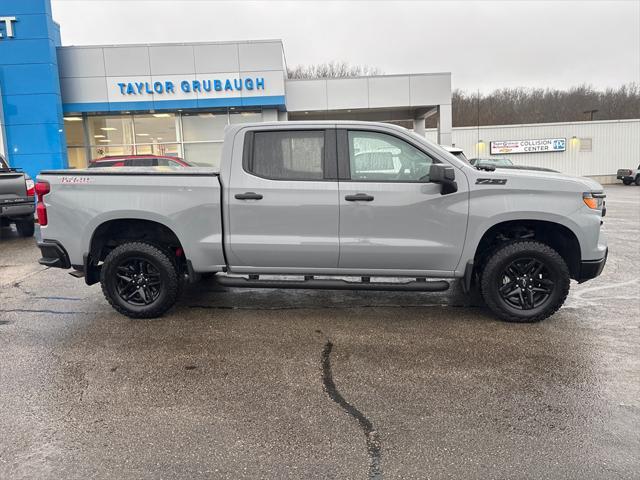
(188, 201)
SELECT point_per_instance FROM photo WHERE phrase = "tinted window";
(288, 155)
(110, 163)
(379, 157)
(141, 162)
(167, 162)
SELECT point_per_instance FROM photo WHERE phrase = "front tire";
(139, 280)
(638, 180)
(26, 227)
(525, 281)
(627, 181)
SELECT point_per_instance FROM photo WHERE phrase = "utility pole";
(478, 119)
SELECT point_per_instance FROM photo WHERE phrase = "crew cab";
(17, 203)
(325, 202)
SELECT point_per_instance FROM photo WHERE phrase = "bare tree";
(332, 70)
(535, 105)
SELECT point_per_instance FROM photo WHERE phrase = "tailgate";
(12, 188)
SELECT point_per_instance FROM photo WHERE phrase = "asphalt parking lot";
(310, 384)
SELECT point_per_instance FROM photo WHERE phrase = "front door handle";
(248, 196)
(359, 197)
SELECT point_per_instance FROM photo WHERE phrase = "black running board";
(335, 284)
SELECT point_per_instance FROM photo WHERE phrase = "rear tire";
(26, 227)
(139, 280)
(525, 281)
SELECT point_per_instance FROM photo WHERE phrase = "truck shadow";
(208, 294)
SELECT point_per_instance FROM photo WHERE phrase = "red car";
(139, 161)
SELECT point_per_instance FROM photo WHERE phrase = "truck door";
(392, 219)
(282, 202)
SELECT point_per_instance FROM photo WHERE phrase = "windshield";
(498, 162)
(437, 147)
(461, 156)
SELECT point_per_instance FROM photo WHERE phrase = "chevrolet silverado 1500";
(306, 204)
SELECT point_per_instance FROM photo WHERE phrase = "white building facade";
(593, 149)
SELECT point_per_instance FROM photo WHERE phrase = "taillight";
(42, 188)
(30, 187)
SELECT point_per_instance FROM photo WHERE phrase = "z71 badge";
(491, 181)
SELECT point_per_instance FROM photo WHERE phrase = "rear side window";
(288, 155)
(110, 163)
(141, 162)
(167, 162)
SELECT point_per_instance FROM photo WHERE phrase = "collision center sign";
(542, 145)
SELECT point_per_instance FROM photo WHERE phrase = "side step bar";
(329, 284)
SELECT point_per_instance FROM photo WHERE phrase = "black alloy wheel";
(524, 281)
(138, 281)
(526, 284)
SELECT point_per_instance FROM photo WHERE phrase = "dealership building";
(63, 106)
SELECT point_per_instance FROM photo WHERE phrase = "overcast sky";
(484, 44)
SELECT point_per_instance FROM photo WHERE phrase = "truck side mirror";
(445, 175)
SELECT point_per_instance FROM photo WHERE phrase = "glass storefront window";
(195, 136)
(166, 149)
(204, 154)
(199, 127)
(77, 157)
(155, 128)
(109, 151)
(245, 117)
(116, 130)
(74, 130)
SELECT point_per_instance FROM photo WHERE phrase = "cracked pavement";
(229, 384)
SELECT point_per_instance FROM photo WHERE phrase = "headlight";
(594, 200)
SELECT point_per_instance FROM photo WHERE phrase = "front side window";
(378, 157)
(288, 155)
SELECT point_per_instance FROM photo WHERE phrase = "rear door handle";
(248, 196)
(359, 197)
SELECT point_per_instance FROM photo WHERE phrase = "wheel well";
(116, 232)
(557, 236)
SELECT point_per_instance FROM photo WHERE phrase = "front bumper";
(53, 254)
(592, 268)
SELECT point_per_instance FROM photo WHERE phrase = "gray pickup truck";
(629, 176)
(16, 199)
(315, 204)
